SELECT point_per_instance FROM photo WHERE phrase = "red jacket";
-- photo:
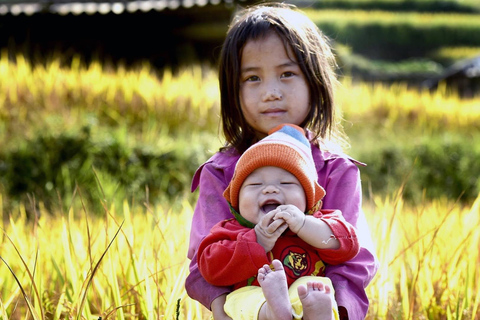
(231, 256)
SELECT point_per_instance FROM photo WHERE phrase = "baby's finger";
(281, 229)
(277, 225)
(284, 215)
(267, 219)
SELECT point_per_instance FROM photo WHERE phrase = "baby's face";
(265, 189)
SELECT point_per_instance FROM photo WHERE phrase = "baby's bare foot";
(274, 287)
(316, 300)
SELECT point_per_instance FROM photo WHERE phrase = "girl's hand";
(269, 230)
(294, 218)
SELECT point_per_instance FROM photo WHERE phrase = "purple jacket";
(340, 177)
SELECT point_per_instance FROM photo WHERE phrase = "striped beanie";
(285, 147)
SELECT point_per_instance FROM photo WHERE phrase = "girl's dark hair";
(314, 56)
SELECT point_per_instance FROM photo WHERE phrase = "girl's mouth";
(274, 112)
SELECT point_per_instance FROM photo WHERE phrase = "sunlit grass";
(428, 263)
(451, 54)
(397, 106)
(32, 97)
(113, 96)
(69, 270)
(428, 260)
(418, 19)
(130, 262)
(59, 98)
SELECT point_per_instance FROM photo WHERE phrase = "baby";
(280, 239)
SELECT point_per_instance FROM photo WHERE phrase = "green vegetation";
(398, 40)
(141, 135)
(96, 163)
(423, 139)
(358, 66)
(79, 265)
(449, 55)
(394, 36)
(465, 6)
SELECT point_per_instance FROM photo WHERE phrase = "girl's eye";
(288, 74)
(252, 79)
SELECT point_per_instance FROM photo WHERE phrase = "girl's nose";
(273, 93)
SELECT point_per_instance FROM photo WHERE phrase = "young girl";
(275, 187)
(276, 67)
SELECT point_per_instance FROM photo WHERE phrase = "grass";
(75, 95)
(127, 260)
(397, 107)
(449, 55)
(420, 20)
(58, 98)
(428, 260)
(77, 265)
(396, 36)
(81, 266)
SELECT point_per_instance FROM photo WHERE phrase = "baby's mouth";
(270, 207)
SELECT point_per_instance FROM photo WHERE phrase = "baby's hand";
(269, 230)
(291, 215)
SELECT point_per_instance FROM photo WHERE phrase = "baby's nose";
(270, 188)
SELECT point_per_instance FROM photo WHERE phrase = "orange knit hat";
(285, 147)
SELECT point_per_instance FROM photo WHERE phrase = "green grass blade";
(30, 275)
(90, 278)
(30, 306)
(3, 312)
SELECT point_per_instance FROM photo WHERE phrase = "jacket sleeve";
(344, 232)
(341, 179)
(230, 254)
(210, 209)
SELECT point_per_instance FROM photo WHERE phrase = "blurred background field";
(87, 143)
(145, 130)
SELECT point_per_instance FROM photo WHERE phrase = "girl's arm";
(341, 179)
(211, 208)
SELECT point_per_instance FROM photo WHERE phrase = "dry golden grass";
(83, 265)
(397, 106)
(67, 269)
(429, 257)
(190, 98)
(30, 94)
(418, 19)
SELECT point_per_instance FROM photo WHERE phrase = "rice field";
(420, 20)
(132, 266)
(129, 262)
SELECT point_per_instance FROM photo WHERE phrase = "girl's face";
(273, 88)
(265, 189)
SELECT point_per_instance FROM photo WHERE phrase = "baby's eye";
(254, 184)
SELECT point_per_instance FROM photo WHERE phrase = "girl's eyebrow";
(281, 66)
(249, 69)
